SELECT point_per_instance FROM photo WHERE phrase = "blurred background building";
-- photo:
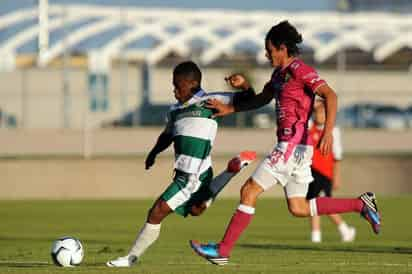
(92, 78)
(74, 64)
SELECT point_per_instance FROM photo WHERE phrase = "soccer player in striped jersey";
(192, 130)
(326, 174)
(293, 85)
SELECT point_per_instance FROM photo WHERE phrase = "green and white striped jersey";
(194, 131)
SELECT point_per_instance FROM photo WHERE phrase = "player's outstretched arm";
(331, 103)
(244, 103)
(163, 141)
(222, 102)
(239, 82)
(257, 101)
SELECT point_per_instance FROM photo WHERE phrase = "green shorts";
(187, 190)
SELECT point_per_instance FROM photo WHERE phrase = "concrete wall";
(138, 141)
(72, 178)
(35, 96)
(49, 163)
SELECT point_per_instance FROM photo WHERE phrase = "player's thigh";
(158, 211)
(250, 192)
(294, 189)
(298, 206)
(180, 191)
(270, 172)
(194, 194)
(199, 198)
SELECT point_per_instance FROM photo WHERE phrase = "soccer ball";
(67, 251)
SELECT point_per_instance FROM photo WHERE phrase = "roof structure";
(151, 34)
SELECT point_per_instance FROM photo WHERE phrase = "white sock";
(316, 236)
(313, 207)
(146, 237)
(246, 209)
(343, 228)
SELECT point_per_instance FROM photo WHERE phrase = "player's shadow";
(361, 249)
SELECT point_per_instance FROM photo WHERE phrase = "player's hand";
(325, 144)
(238, 81)
(150, 160)
(220, 108)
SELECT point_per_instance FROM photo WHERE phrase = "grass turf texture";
(274, 243)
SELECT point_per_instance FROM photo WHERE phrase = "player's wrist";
(327, 133)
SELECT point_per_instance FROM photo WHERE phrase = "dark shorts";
(319, 184)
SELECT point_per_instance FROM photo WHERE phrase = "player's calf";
(299, 207)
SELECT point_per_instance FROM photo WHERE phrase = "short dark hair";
(189, 70)
(285, 33)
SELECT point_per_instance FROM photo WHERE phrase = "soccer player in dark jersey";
(294, 85)
(326, 174)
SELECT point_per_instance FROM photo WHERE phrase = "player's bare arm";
(331, 103)
(163, 142)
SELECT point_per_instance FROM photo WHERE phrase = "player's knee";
(245, 191)
(297, 210)
(249, 192)
(154, 217)
(158, 212)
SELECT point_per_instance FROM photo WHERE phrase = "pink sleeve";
(310, 77)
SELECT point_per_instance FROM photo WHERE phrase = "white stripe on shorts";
(185, 193)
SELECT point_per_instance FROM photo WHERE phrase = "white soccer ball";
(67, 251)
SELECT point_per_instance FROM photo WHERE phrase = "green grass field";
(274, 243)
